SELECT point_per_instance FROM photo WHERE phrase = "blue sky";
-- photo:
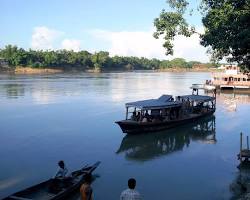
(120, 27)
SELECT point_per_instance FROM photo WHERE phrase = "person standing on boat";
(86, 190)
(131, 193)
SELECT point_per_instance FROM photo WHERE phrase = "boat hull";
(41, 190)
(132, 127)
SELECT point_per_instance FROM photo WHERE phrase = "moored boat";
(165, 112)
(145, 147)
(231, 78)
(41, 191)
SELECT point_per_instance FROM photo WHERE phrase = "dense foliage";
(83, 60)
(226, 22)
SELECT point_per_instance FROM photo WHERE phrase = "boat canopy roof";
(165, 101)
(200, 98)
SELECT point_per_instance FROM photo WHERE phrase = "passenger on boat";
(198, 107)
(144, 119)
(60, 180)
(166, 115)
(188, 106)
(86, 190)
(147, 115)
(133, 117)
(62, 170)
(157, 119)
(131, 193)
(138, 116)
(171, 114)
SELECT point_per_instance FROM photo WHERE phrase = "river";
(70, 117)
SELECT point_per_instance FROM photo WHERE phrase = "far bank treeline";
(83, 60)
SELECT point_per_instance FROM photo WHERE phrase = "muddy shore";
(30, 70)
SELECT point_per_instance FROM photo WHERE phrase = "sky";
(121, 27)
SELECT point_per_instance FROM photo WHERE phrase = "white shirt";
(130, 194)
(61, 173)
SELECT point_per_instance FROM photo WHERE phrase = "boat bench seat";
(19, 198)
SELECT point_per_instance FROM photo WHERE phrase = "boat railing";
(223, 74)
(233, 83)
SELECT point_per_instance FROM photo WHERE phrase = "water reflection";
(239, 186)
(4, 184)
(231, 100)
(14, 90)
(145, 147)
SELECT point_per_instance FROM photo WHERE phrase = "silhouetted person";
(133, 117)
(138, 116)
(62, 170)
(131, 193)
(147, 115)
(86, 190)
(60, 180)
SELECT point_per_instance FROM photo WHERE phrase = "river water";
(70, 117)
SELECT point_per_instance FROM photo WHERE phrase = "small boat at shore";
(165, 112)
(41, 191)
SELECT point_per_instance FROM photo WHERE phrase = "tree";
(101, 60)
(227, 29)
(83, 60)
(178, 62)
(13, 54)
(165, 64)
(226, 22)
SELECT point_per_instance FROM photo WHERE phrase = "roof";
(162, 102)
(197, 98)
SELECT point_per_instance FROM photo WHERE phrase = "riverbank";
(30, 70)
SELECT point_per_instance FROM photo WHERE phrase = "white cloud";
(190, 48)
(123, 43)
(71, 44)
(44, 38)
(143, 44)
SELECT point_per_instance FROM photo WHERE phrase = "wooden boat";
(164, 113)
(41, 190)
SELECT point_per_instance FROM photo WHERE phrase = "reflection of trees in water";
(14, 90)
(240, 185)
(151, 145)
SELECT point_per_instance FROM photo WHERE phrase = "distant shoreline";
(30, 70)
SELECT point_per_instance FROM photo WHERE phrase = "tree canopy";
(226, 23)
(83, 60)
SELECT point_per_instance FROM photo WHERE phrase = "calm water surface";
(47, 118)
